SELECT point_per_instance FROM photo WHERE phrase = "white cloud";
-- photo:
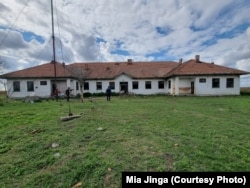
(218, 31)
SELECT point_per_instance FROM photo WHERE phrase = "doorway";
(192, 87)
(124, 87)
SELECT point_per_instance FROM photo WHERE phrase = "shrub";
(1, 102)
(87, 94)
(101, 94)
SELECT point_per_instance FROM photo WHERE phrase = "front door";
(192, 87)
(124, 87)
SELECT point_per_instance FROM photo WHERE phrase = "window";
(77, 86)
(98, 85)
(135, 85)
(215, 83)
(86, 85)
(112, 85)
(148, 84)
(169, 84)
(161, 84)
(43, 83)
(16, 86)
(30, 86)
(202, 80)
(230, 82)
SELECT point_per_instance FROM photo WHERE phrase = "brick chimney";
(180, 60)
(130, 61)
(197, 58)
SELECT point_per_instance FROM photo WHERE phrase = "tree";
(80, 74)
(3, 68)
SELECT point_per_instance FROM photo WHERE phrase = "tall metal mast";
(54, 50)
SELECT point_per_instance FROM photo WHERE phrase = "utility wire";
(12, 25)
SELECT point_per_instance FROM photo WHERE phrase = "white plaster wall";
(185, 82)
(124, 78)
(42, 90)
(154, 87)
(171, 89)
(206, 88)
(39, 90)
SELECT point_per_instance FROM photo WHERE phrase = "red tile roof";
(111, 70)
(132, 69)
(40, 71)
(194, 67)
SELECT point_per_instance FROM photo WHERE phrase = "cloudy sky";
(117, 30)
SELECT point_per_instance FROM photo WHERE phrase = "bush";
(244, 93)
(101, 94)
(87, 94)
(1, 102)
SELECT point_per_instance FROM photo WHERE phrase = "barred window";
(161, 84)
(16, 86)
(86, 86)
(112, 85)
(135, 85)
(202, 80)
(43, 83)
(215, 83)
(98, 85)
(30, 86)
(230, 82)
(148, 84)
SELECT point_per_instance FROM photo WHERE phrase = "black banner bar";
(185, 179)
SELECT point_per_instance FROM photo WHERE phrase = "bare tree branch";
(80, 74)
(3, 69)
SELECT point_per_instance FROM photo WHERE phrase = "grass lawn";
(154, 133)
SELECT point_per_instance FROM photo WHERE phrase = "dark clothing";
(108, 93)
(68, 94)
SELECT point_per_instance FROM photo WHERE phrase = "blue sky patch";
(99, 40)
(28, 36)
(226, 35)
(161, 56)
(120, 52)
(162, 30)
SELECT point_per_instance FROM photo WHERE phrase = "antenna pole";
(54, 51)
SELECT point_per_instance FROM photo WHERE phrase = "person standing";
(68, 93)
(108, 93)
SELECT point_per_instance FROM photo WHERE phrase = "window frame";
(112, 85)
(148, 85)
(98, 85)
(16, 86)
(215, 82)
(77, 86)
(230, 84)
(43, 83)
(135, 85)
(86, 86)
(202, 80)
(30, 86)
(161, 84)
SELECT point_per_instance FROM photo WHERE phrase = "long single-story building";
(193, 77)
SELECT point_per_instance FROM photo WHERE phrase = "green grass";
(157, 133)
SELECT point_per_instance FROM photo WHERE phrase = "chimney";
(180, 60)
(197, 58)
(130, 61)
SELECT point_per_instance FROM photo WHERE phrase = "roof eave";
(203, 74)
